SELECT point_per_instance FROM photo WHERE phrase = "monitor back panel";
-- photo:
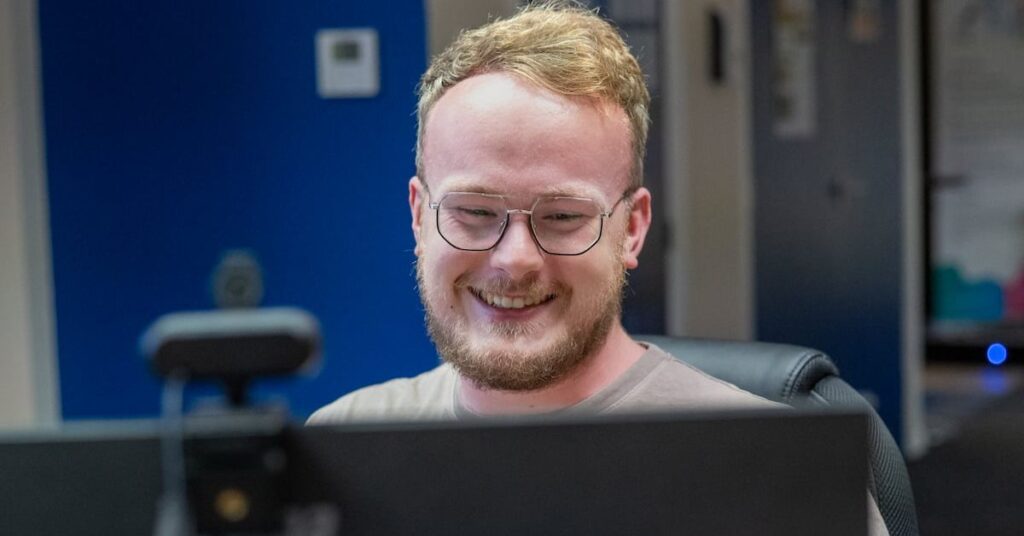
(101, 482)
(777, 473)
(764, 473)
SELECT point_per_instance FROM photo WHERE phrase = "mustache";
(529, 285)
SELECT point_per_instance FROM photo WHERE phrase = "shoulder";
(675, 384)
(427, 396)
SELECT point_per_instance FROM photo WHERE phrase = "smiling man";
(528, 208)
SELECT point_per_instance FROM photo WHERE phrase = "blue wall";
(177, 130)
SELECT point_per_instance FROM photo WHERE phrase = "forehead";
(498, 133)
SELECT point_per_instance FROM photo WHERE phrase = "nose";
(517, 253)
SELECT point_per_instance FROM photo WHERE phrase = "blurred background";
(846, 175)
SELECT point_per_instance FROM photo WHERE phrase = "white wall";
(27, 370)
(915, 434)
(708, 173)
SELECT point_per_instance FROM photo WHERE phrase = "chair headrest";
(780, 372)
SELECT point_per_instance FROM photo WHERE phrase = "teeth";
(506, 302)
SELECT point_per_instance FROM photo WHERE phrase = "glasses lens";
(567, 225)
(471, 221)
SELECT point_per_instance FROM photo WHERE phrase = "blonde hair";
(559, 46)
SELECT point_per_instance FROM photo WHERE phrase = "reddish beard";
(507, 367)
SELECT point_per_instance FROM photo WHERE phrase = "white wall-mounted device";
(348, 63)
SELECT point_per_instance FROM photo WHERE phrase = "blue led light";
(996, 354)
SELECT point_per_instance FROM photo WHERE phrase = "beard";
(499, 363)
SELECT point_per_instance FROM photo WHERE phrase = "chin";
(518, 362)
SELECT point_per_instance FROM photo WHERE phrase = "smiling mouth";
(500, 301)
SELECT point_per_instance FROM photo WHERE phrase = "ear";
(636, 228)
(417, 198)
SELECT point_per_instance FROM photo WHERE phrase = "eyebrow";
(472, 186)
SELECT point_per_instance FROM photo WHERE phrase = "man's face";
(515, 317)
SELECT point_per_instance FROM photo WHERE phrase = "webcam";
(233, 345)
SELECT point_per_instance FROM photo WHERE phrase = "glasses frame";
(436, 207)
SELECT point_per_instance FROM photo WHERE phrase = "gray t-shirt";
(657, 381)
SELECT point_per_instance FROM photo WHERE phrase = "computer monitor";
(751, 472)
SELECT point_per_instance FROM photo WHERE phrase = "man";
(527, 210)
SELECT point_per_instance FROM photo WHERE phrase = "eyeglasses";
(560, 225)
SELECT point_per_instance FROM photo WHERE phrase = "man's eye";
(475, 212)
(563, 217)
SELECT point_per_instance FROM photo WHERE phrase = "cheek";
(442, 265)
(606, 269)
(615, 235)
(590, 272)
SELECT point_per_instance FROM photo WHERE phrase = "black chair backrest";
(802, 377)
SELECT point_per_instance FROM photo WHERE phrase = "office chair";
(802, 377)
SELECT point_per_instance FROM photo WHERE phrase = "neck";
(611, 359)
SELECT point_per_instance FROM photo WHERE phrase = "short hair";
(557, 45)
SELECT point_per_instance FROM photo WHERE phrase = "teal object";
(958, 299)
